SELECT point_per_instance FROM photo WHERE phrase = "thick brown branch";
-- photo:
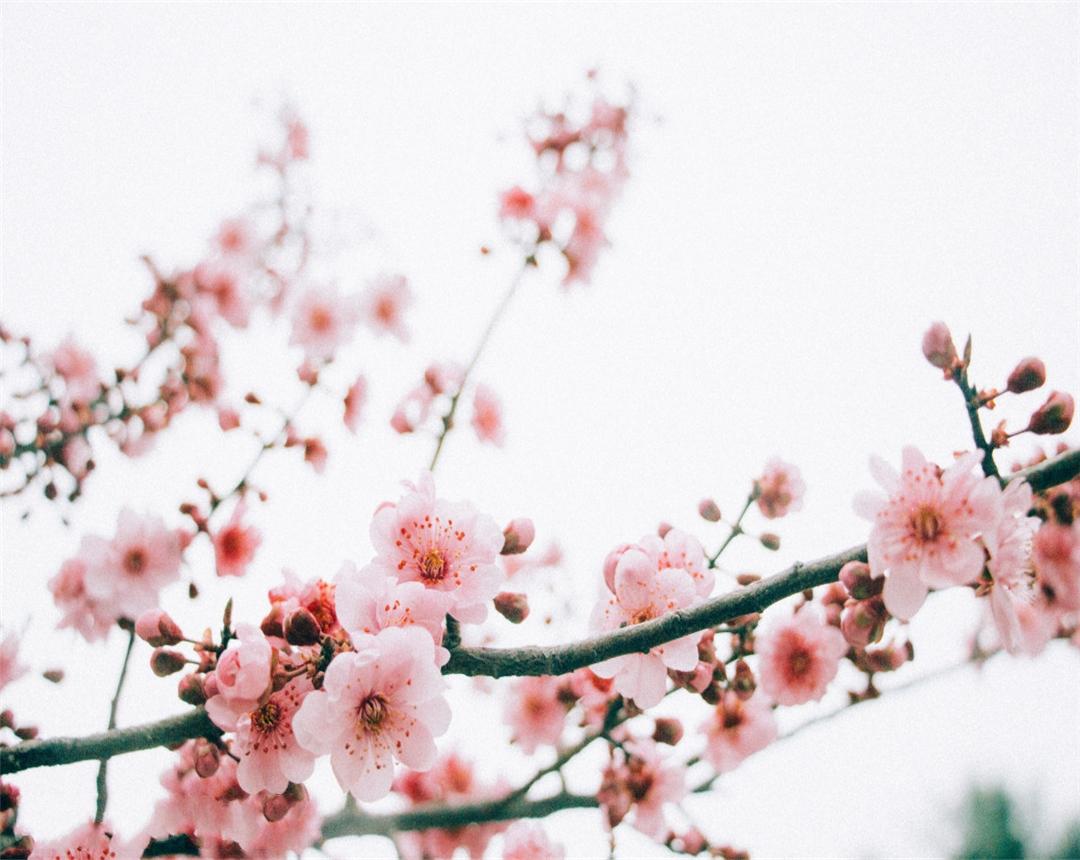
(53, 751)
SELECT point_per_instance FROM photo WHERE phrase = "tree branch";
(502, 662)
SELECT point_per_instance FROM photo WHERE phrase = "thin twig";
(103, 767)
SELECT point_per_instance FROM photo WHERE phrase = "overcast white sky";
(812, 185)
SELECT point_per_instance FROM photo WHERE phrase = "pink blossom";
(1057, 562)
(535, 712)
(129, 571)
(642, 593)
(1007, 578)
(241, 678)
(516, 204)
(355, 398)
(925, 533)
(413, 410)
(680, 551)
(10, 667)
(235, 238)
(270, 758)
(799, 657)
(487, 416)
(323, 321)
(645, 781)
(91, 617)
(528, 841)
(298, 830)
(446, 546)
(384, 304)
(77, 457)
(780, 489)
(78, 369)
(235, 544)
(87, 842)
(205, 807)
(223, 285)
(368, 600)
(378, 704)
(737, 729)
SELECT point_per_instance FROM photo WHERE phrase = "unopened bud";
(709, 510)
(191, 689)
(156, 628)
(664, 528)
(518, 536)
(938, 347)
(26, 733)
(272, 624)
(1028, 375)
(744, 682)
(747, 578)
(54, 676)
(207, 758)
(164, 662)
(1054, 416)
(770, 541)
(668, 731)
(512, 606)
(301, 628)
(276, 807)
(863, 622)
(859, 582)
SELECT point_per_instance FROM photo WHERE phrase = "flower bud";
(156, 628)
(938, 347)
(747, 578)
(272, 624)
(668, 731)
(276, 807)
(1054, 416)
(53, 676)
(857, 579)
(770, 541)
(663, 528)
(26, 733)
(191, 689)
(301, 628)
(743, 683)
(207, 758)
(512, 606)
(518, 536)
(709, 510)
(1028, 375)
(165, 662)
(863, 622)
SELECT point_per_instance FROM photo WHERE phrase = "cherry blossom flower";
(644, 782)
(296, 831)
(378, 704)
(737, 729)
(780, 489)
(487, 416)
(925, 532)
(240, 679)
(223, 285)
(204, 807)
(270, 757)
(799, 657)
(90, 617)
(446, 546)
(368, 601)
(316, 596)
(384, 304)
(87, 842)
(516, 204)
(1008, 578)
(323, 321)
(235, 544)
(78, 369)
(680, 551)
(535, 712)
(10, 667)
(129, 571)
(527, 841)
(1057, 562)
(642, 593)
(235, 238)
(355, 398)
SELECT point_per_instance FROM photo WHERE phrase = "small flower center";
(433, 566)
(733, 717)
(321, 320)
(926, 524)
(799, 662)
(371, 713)
(647, 613)
(385, 310)
(266, 718)
(135, 561)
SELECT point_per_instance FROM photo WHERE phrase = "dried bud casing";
(518, 536)
(512, 606)
(668, 731)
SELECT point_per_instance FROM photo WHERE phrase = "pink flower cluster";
(442, 383)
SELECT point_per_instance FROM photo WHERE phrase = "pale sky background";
(812, 186)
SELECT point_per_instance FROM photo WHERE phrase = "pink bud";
(702, 678)
(857, 579)
(271, 625)
(165, 662)
(512, 606)
(228, 418)
(611, 562)
(518, 536)
(863, 622)
(770, 541)
(709, 510)
(693, 842)
(301, 628)
(668, 731)
(664, 528)
(156, 628)
(207, 758)
(744, 682)
(275, 807)
(1054, 416)
(938, 347)
(1028, 375)
(191, 689)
